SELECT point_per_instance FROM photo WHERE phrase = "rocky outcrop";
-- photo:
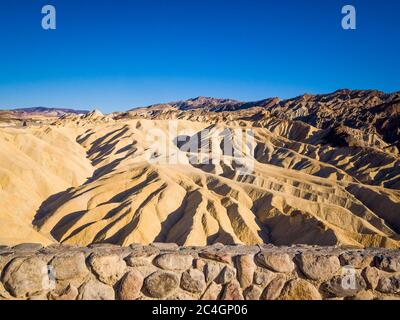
(166, 271)
(350, 118)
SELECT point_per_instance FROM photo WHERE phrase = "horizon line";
(83, 109)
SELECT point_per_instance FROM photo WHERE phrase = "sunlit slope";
(35, 163)
(300, 191)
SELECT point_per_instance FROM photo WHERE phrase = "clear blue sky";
(118, 54)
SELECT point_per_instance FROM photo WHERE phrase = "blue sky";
(118, 54)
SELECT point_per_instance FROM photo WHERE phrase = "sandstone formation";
(325, 170)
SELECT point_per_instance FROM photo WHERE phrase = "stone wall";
(166, 271)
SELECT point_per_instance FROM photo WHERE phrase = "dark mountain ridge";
(343, 113)
(45, 110)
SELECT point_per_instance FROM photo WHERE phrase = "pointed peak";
(95, 113)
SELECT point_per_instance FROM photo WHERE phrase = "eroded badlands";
(84, 179)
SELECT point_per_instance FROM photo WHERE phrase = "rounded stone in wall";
(212, 269)
(389, 284)
(193, 281)
(173, 261)
(161, 284)
(245, 270)
(344, 286)
(130, 286)
(358, 260)
(28, 247)
(276, 261)
(252, 293)
(388, 263)
(263, 277)
(143, 251)
(228, 274)
(299, 289)
(26, 276)
(232, 291)
(109, 268)
(318, 267)
(68, 293)
(371, 276)
(216, 255)
(70, 266)
(212, 292)
(274, 288)
(95, 290)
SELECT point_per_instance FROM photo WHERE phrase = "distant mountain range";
(44, 110)
(210, 104)
(371, 112)
(361, 97)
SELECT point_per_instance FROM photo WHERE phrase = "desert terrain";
(319, 169)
